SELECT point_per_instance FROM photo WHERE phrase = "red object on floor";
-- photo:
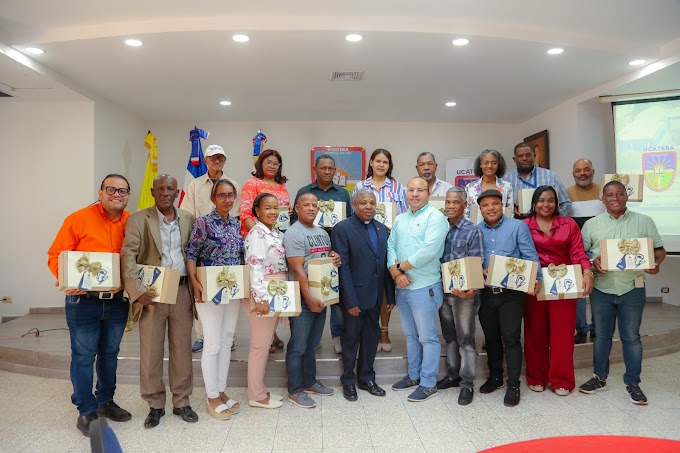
(594, 444)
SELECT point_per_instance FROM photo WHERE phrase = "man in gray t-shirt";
(304, 241)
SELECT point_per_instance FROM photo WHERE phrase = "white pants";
(219, 324)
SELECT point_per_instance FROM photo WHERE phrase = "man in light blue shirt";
(528, 175)
(501, 311)
(413, 250)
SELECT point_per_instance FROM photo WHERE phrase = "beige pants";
(261, 333)
(178, 319)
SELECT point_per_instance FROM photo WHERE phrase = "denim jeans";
(458, 318)
(627, 309)
(336, 321)
(96, 328)
(418, 311)
(582, 325)
(305, 334)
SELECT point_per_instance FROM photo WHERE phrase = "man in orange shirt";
(96, 320)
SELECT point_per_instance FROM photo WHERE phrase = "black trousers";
(361, 333)
(501, 318)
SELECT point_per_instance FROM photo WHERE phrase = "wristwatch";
(399, 268)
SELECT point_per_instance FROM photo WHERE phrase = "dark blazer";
(363, 273)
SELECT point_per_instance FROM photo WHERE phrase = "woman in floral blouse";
(266, 256)
(490, 168)
(216, 241)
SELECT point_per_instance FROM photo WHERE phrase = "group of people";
(219, 223)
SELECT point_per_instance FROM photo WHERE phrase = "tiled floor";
(38, 416)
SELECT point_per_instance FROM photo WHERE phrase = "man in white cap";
(197, 201)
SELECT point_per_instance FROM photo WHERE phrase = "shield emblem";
(660, 169)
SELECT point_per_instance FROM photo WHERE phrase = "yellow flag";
(145, 198)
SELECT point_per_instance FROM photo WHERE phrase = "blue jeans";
(582, 325)
(305, 335)
(96, 328)
(419, 311)
(336, 321)
(627, 308)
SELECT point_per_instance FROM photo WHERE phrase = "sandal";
(234, 406)
(221, 412)
(386, 346)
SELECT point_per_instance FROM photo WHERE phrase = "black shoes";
(154, 418)
(113, 412)
(580, 338)
(350, 392)
(465, 396)
(83, 423)
(448, 382)
(491, 384)
(372, 388)
(511, 397)
(187, 413)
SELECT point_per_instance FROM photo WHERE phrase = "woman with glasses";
(265, 254)
(489, 168)
(216, 241)
(386, 189)
(549, 325)
(267, 178)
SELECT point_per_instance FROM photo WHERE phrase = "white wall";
(47, 172)
(118, 145)
(295, 139)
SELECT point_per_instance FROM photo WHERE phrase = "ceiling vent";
(347, 76)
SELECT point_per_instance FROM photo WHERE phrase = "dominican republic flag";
(196, 167)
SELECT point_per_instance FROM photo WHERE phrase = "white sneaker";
(337, 345)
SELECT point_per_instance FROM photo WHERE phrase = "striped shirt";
(391, 191)
(464, 239)
(541, 177)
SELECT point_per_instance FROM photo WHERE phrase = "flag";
(145, 198)
(196, 167)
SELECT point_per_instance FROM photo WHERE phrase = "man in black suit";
(362, 245)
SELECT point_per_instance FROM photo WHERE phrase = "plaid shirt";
(464, 239)
(541, 177)
(391, 191)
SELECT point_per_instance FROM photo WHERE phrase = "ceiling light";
(636, 62)
(460, 42)
(35, 50)
(354, 38)
(241, 38)
(225, 102)
(555, 51)
(133, 42)
(450, 104)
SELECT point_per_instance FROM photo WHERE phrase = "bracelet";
(588, 272)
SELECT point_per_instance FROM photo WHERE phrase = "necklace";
(545, 229)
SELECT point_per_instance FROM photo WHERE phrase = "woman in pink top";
(549, 324)
(267, 177)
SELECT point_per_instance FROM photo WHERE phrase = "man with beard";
(530, 176)
(426, 166)
(585, 204)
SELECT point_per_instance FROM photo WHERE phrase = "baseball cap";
(213, 150)
(489, 193)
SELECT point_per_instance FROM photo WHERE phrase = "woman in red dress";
(549, 324)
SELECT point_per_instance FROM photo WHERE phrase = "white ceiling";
(189, 62)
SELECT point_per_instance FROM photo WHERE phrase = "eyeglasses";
(227, 196)
(123, 192)
(271, 163)
(414, 190)
(217, 158)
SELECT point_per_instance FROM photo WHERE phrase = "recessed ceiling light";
(354, 38)
(555, 51)
(450, 104)
(241, 38)
(133, 42)
(35, 50)
(225, 102)
(460, 42)
(636, 62)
